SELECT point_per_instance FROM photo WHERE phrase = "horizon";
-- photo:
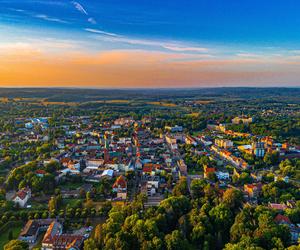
(140, 44)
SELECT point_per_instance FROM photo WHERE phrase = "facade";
(253, 190)
(120, 187)
(190, 141)
(33, 228)
(54, 239)
(224, 143)
(244, 120)
(174, 129)
(22, 196)
(208, 171)
(222, 175)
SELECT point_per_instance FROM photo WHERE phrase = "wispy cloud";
(249, 55)
(92, 20)
(171, 46)
(51, 19)
(80, 8)
(101, 32)
(185, 49)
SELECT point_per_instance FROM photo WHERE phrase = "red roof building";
(120, 184)
(282, 219)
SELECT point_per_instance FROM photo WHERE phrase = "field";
(163, 104)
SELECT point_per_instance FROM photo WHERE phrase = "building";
(107, 173)
(94, 164)
(28, 125)
(174, 129)
(208, 171)
(33, 228)
(277, 206)
(224, 143)
(190, 141)
(258, 149)
(54, 239)
(242, 119)
(22, 196)
(253, 190)
(294, 229)
(222, 175)
(120, 187)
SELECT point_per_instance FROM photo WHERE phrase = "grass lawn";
(71, 202)
(4, 237)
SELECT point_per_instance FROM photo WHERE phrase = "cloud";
(101, 32)
(36, 46)
(92, 20)
(171, 46)
(80, 8)
(249, 55)
(51, 19)
(184, 49)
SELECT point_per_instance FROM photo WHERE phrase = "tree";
(52, 205)
(175, 241)
(90, 244)
(233, 198)
(16, 245)
(197, 187)
(181, 188)
(10, 235)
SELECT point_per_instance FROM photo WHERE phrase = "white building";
(22, 196)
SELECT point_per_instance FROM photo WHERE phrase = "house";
(190, 141)
(243, 119)
(55, 239)
(28, 125)
(40, 172)
(174, 129)
(30, 232)
(224, 143)
(33, 228)
(74, 166)
(94, 163)
(282, 219)
(22, 196)
(253, 190)
(147, 169)
(222, 175)
(120, 187)
(291, 204)
(208, 171)
(294, 229)
(182, 167)
(107, 173)
(277, 206)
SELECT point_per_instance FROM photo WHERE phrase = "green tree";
(16, 245)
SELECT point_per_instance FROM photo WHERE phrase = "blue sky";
(199, 29)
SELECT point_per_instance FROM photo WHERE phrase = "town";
(96, 180)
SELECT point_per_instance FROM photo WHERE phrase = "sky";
(149, 43)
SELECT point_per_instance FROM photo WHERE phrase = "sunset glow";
(62, 43)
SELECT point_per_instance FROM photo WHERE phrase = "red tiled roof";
(278, 206)
(22, 193)
(282, 218)
(40, 171)
(120, 182)
(147, 168)
(209, 169)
